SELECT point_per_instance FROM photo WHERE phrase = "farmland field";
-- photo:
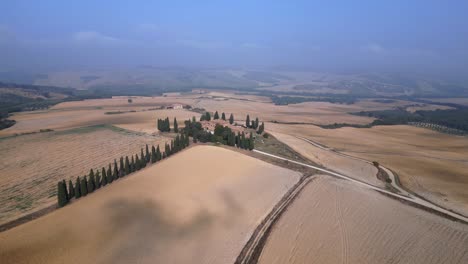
(32, 164)
(432, 164)
(200, 206)
(334, 221)
(141, 120)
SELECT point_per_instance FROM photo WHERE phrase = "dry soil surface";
(432, 164)
(335, 221)
(200, 206)
(31, 165)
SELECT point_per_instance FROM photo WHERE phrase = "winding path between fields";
(411, 199)
(388, 171)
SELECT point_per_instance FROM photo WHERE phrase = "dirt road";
(415, 200)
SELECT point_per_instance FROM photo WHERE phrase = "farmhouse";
(175, 106)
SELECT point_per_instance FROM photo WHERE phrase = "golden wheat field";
(335, 221)
(432, 164)
(199, 206)
(32, 164)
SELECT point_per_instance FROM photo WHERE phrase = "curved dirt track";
(254, 246)
(336, 221)
(414, 200)
(388, 171)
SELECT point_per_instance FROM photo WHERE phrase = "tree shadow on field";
(142, 229)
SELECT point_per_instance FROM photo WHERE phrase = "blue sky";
(324, 35)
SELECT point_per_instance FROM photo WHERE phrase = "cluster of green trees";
(164, 125)
(226, 136)
(207, 117)
(451, 118)
(254, 124)
(96, 179)
(221, 134)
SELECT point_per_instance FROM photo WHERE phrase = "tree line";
(207, 117)
(221, 134)
(99, 178)
(253, 124)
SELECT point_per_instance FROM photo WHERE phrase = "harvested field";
(141, 121)
(354, 168)
(426, 107)
(334, 221)
(431, 164)
(140, 115)
(31, 165)
(201, 212)
(458, 100)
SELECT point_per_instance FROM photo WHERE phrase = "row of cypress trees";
(207, 117)
(243, 142)
(95, 180)
(165, 126)
(254, 124)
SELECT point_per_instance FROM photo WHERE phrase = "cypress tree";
(231, 119)
(115, 176)
(91, 182)
(194, 119)
(158, 154)
(98, 180)
(66, 190)
(137, 163)
(172, 147)
(256, 123)
(110, 177)
(77, 188)
(208, 116)
(187, 140)
(261, 128)
(127, 165)
(223, 116)
(104, 177)
(132, 165)
(153, 154)
(147, 154)
(242, 143)
(182, 141)
(167, 149)
(168, 126)
(177, 144)
(251, 142)
(71, 190)
(247, 121)
(142, 160)
(121, 170)
(176, 126)
(233, 139)
(84, 186)
(216, 115)
(61, 194)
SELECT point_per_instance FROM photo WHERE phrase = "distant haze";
(420, 36)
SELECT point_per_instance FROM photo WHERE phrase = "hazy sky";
(351, 35)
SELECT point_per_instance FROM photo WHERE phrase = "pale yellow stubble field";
(199, 206)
